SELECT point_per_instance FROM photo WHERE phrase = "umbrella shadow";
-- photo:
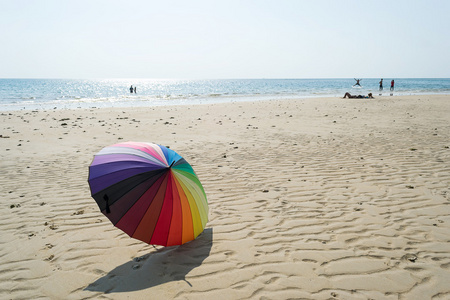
(165, 265)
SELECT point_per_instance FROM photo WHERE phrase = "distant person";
(135, 90)
(392, 84)
(348, 95)
(381, 84)
(357, 82)
(131, 89)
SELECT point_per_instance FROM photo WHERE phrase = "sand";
(309, 198)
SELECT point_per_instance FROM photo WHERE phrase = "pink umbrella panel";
(150, 192)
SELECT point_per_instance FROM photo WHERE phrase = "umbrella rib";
(147, 160)
(159, 213)
(138, 153)
(171, 213)
(151, 145)
(139, 169)
(171, 218)
(155, 172)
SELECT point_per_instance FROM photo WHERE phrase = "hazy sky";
(224, 39)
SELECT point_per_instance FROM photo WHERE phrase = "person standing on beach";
(381, 84)
(135, 90)
(392, 84)
(131, 89)
(357, 82)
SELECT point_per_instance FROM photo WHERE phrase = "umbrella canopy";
(150, 192)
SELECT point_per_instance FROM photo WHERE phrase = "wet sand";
(309, 198)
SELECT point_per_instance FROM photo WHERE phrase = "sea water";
(16, 94)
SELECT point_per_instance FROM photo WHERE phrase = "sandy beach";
(308, 199)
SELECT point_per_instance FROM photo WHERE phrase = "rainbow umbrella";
(150, 192)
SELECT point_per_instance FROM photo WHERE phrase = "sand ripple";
(317, 199)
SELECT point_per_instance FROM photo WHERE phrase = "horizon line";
(244, 78)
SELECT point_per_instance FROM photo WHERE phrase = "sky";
(231, 39)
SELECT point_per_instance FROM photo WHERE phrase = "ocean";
(32, 94)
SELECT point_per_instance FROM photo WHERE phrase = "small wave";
(24, 102)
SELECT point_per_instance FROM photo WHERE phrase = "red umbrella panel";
(150, 192)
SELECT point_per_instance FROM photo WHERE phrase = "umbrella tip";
(171, 164)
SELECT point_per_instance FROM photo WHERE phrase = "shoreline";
(345, 198)
(207, 101)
